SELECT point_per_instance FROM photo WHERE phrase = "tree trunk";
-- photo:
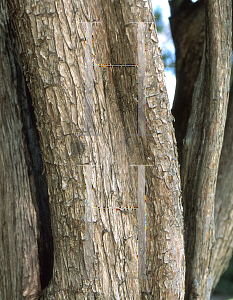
(18, 248)
(55, 41)
(89, 66)
(200, 134)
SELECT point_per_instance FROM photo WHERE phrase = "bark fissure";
(202, 148)
(20, 231)
(53, 38)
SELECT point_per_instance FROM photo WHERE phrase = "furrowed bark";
(19, 265)
(202, 148)
(53, 52)
(187, 28)
(224, 202)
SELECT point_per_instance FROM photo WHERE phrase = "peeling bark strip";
(202, 148)
(89, 223)
(141, 79)
(141, 223)
(53, 52)
(89, 80)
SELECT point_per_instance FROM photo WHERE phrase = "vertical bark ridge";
(53, 52)
(224, 202)
(202, 148)
(20, 274)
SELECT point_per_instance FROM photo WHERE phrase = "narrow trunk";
(188, 31)
(202, 148)
(19, 271)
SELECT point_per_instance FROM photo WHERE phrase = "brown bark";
(202, 148)
(55, 46)
(53, 53)
(188, 33)
(19, 266)
(224, 202)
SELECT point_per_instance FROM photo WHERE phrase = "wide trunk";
(95, 160)
(103, 127)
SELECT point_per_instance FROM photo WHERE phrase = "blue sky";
(165, 42)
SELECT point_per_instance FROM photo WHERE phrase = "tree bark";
(53, 53)
(188, 33)
(224, 202)
(87, 75)
(19, 272)
(202, 147)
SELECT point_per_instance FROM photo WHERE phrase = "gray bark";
(96, 155)
(190, 30)
(19, 271)
(53, 53)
